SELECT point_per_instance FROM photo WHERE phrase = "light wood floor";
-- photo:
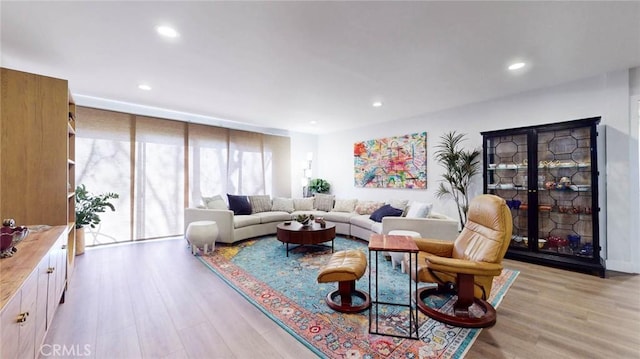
(153, 299)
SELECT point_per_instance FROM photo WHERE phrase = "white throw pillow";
(303, 204)
(419, 210)
(282, 204)
(345, 205)
(215, 202)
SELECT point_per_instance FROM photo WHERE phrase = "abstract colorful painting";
(392, 162)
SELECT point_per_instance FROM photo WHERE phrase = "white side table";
(398, 257)
(202, 234)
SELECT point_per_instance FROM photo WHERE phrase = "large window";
(208, 148)
(159, 167)
(159, 178)
(103, 164)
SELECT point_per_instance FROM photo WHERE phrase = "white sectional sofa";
(236, 227)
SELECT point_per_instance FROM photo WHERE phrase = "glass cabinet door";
(548, 175)
(564, 192)
(507, 176)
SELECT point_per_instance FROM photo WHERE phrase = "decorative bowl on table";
(304, 219)
(9, 237)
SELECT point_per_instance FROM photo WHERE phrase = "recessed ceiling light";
(516, 66)
(144, 87)
(312, 122)
(167, 31)
(377, 104)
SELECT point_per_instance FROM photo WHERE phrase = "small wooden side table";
(393, 243)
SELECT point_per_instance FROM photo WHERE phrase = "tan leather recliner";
(471, 262)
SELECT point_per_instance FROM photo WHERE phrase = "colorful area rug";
(286, 290)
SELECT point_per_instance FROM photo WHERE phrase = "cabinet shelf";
(498, 167)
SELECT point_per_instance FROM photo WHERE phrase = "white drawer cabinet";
(32, 284)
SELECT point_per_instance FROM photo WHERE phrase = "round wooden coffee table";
(313, 235)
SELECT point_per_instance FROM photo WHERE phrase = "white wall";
(634, 109)
(607, 95)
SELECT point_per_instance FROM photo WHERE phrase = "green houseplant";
(460, 165)
(87, 208)
(318, 185)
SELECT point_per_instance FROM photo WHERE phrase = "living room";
(613, 94)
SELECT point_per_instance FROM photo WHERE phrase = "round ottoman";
(202, 234)
(345, 267)
(397, 257)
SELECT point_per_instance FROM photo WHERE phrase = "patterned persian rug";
(286, 290)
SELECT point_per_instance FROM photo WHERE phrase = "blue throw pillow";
(239, 204)
(385, 211)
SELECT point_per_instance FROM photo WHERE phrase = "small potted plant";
(87, 208)
(318, 185)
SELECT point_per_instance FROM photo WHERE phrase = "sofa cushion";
(323, 202)
(273, 216)
(282, 204)
(362, 221)
(419, 210)
(376, 227)
(215, 202)
(241, 220)
(344, 205)
(239, 204)
(340, 217)
(315, 213)
(434, 215)
(303, 204)
(260, 203)
(367, 207)
(385, 211)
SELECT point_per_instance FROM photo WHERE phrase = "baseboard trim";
(623, 266)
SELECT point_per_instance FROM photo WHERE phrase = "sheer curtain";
(104, 164)
(208, 152)
(159, 177)
(245, 168)
(159, 167)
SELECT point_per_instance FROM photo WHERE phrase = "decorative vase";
(80, 243)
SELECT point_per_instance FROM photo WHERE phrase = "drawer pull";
(50, 270)
(23, 317)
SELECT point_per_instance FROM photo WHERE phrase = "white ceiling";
(280, 65)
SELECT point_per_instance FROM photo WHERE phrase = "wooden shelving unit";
(37, 152)
(71, 184)
(37, 184)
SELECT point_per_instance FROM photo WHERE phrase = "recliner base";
(462, 316)
(346, 289)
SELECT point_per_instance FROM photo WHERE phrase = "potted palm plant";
(87, 208)
(460, 166)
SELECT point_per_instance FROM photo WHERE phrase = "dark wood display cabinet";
(549, 176)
